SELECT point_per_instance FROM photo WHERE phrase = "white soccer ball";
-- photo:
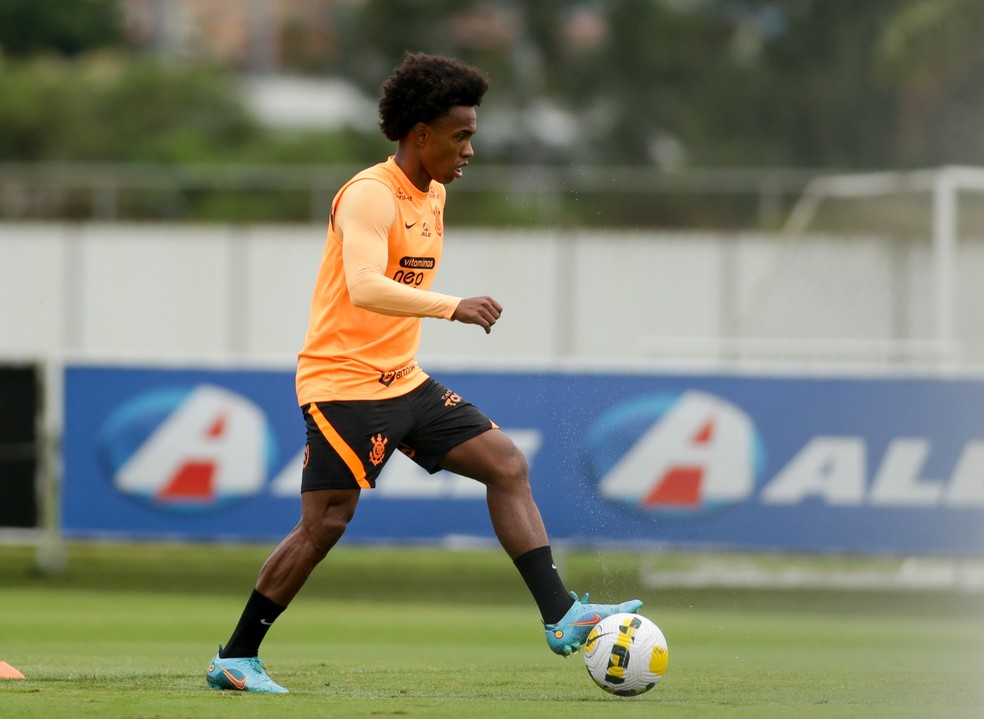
(626, 654)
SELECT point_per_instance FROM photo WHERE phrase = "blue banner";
(785, 463)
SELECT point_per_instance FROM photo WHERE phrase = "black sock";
(540, 574)
(256, 619)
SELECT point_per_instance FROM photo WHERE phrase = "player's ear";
(419, 133)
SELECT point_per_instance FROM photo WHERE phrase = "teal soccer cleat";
(241, 674)
(566, 636)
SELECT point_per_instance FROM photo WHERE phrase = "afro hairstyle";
(424, 88)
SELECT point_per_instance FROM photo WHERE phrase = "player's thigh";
(490, 457)
(443, 421)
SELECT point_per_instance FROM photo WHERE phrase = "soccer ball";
(626, 654)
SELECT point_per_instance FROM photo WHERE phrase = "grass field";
(128, 631)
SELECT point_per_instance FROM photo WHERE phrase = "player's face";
(448, 147)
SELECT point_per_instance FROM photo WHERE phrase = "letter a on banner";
(699, 453)
(212, 446)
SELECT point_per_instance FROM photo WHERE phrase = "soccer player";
(363, 395)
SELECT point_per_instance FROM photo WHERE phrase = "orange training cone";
(9, 672)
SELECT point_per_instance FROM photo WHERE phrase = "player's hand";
(481, 311)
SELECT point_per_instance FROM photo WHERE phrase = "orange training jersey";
(351, 353)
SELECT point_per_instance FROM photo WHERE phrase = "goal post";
(940, 190)
(921, 209)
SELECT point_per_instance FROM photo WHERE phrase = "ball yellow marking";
(659, 660)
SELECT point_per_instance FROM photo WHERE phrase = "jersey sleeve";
(363, 219)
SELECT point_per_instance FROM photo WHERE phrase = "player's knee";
(512, 470)
(334, 525)
(329, 528)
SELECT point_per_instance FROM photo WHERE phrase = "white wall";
(242, 292)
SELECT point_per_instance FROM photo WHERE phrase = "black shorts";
(348, 442)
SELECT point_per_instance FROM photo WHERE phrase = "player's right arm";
(363, 219)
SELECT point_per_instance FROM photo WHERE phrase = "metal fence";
(571, 195)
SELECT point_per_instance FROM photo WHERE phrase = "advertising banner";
(867, 465)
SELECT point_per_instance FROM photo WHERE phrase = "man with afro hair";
(363, 395)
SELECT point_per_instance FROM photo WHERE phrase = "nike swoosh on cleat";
(587, 622)
(236, 682)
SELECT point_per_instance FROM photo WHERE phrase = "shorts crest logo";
(378, 453)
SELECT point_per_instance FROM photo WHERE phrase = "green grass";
(128, 630)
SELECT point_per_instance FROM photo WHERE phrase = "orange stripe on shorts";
(344, 451)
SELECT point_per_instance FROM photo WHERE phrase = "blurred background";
(638, 113)
(782, 188)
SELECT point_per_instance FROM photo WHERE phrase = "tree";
(105, 108)
(930, 54)
(65, 27)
